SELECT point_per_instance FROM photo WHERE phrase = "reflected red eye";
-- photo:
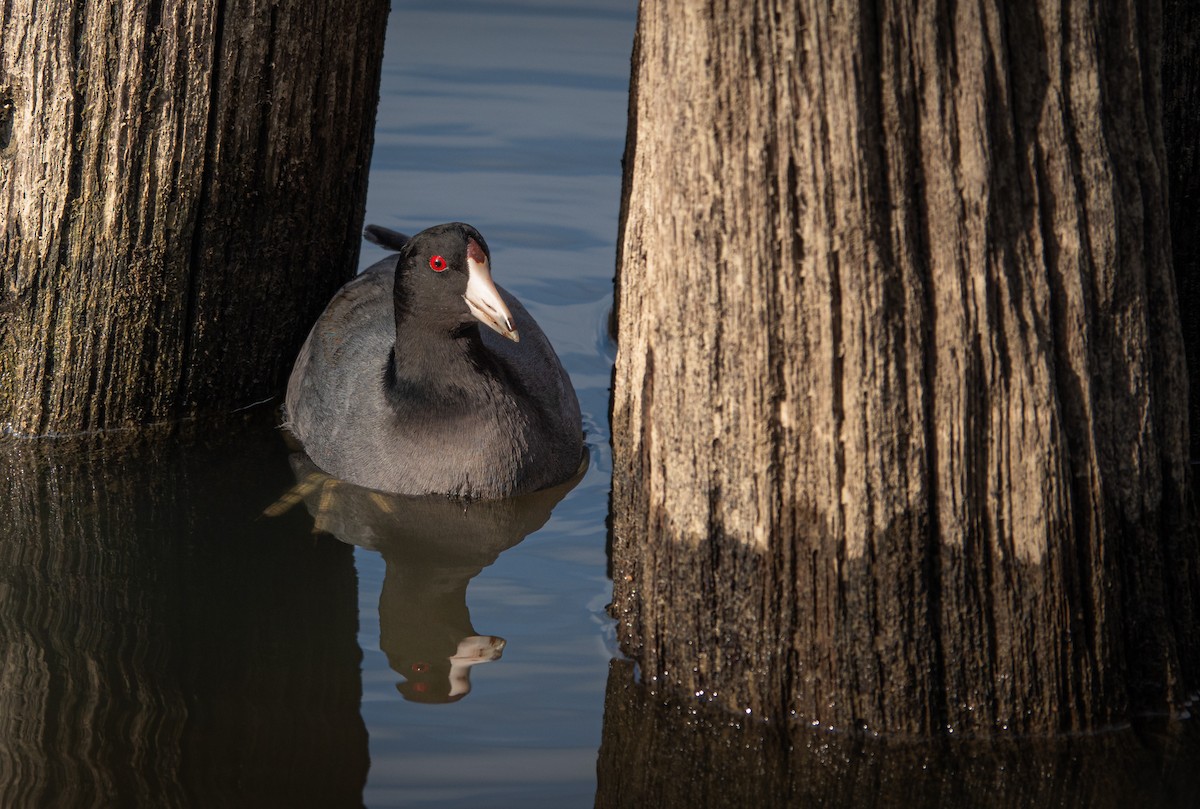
(421, 668)
(437, 263)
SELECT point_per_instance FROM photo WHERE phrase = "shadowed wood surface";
(679, 757)
(1181, 132)
(899, 411)
(181, 190)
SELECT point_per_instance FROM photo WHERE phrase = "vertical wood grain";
(899, 412)
(181, 188)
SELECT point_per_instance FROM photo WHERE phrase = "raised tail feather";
(384, 237)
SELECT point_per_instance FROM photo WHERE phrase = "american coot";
(398, 389)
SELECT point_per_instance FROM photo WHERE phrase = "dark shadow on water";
(162, 644)
(655, 753)
(432, 547)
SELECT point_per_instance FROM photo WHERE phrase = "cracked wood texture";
(899, 408)
(181, 190)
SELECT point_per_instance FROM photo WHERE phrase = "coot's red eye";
(437, 263)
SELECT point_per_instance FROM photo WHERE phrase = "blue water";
(511, 116)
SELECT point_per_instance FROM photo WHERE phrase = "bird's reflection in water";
(432, 547)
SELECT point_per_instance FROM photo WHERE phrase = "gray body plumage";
(494, 418)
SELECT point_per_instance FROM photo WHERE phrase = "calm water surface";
(163, 642)
(511, 116)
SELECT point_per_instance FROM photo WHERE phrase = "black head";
(444, 282)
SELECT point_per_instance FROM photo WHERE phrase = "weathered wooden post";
(181, 189)
(899, 419)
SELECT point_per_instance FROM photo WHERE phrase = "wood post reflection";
(161, 645)
(659, 752)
